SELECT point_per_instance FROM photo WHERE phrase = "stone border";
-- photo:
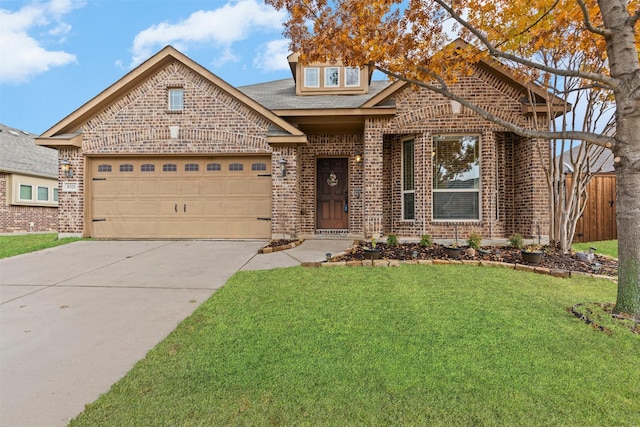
(268, 250)
(565, 274)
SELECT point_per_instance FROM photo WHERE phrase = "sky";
(57, 55)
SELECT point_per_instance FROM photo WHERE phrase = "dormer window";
(312, 77)
(352, 76)
(331, 77)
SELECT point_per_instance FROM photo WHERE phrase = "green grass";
(604, 247)
(24, 243)
(412, 345)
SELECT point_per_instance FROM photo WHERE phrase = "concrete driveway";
(76, 318)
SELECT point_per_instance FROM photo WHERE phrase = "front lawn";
(442, 345)
(24, 243)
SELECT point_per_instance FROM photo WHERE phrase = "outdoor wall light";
(358, 158)
(283, 166)
(65, 165)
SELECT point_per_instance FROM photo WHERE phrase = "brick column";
(285, 217)
(71, 203)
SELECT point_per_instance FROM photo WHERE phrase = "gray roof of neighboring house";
(604, 162)
(20, 154)
(281, 95)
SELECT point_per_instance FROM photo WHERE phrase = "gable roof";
(20, 154)
(499, 70)
(66, 131)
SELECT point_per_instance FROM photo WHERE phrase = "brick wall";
(137, 123)
(509, 164)
(18, 219)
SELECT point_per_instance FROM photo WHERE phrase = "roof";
(20, 154)
(71, 125)
(602, 163)
(281, 95)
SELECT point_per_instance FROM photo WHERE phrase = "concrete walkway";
(74, 319)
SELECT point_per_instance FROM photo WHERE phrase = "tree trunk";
(625, 67)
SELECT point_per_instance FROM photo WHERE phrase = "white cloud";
(222, 27)
(273, 56)
(22, 56)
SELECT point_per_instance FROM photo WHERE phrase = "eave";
(70, 140)
(334, 120)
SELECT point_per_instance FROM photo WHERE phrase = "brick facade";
(24, 219)
(513, 190)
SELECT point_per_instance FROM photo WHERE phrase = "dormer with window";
(329, 78)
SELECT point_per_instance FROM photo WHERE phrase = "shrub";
(516, 241)
(392, 240)
(475, 240)
(425, 241)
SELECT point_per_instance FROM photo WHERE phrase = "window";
(456, 178)
(169, 167)
(191, 167)
(312, 77)
(55, 194)
(126, 168)
(352, 76)
(214, 167)
(332, 77)
(176, 99)
(147, 167)
(236, 167)
(104, 168)
(408, 181)
(26, 192)
(259, 167)
(43, 194)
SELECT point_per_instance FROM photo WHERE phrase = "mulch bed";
(552, 258)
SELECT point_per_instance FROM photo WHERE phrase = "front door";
(333, 192)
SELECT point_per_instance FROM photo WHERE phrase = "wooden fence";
(598, 221)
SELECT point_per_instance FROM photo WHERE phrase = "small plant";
(425, 241)
(475, 240)
(392, 240)
(533, 248)
(373, 243)
(516, 241)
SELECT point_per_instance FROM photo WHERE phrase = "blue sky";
(56, 55)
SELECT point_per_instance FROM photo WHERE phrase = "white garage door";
(202, 197)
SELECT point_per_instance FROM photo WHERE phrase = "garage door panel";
(182, 202)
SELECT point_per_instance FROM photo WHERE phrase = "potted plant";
(532, 254)
(453, 250)
(474, 241)
(373, 252)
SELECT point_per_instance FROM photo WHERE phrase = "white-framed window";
(332, 77)
(26, 192)
(312, 77)
(43, 194)
(352, 76)
(55, 195)
(408, 180)
(176, 99)
(456, 178)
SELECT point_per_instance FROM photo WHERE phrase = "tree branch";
(587, 21)
(493, 51)
(443, 89)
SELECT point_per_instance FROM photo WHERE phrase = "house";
(28, 183)
(172, 151)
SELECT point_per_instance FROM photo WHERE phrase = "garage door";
(219, 197)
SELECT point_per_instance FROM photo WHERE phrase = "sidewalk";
(309, 251)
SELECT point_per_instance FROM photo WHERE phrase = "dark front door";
(333, 191)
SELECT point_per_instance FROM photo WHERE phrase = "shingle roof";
(20, 154)
(281, 95)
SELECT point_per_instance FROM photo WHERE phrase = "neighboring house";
(28, 183)
(172, 151)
